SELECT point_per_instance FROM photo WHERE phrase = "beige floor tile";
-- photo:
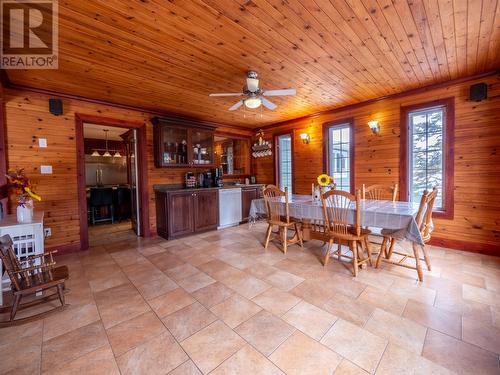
(276, 301)
(464, 278)
(71, 345)
(458, 356)
(495, 313)
(247, 361)
(165, 261)
(184, 322)
(235, 310)
(187, 368)
(72, 317)
(194, 282)
(157, 356)
(416, 292)
(261, 270)
(212, 294)
(127, 257)
(284, 280)
(171, 302)
(482, 334)
(198, 259)
(120, 303)
(11, 334)
(133, 332)
(182, 271)
(481, 295)
(348, 368)
(398, 360)
(385, 300)
(398, 330)
(249, 286)
(265, 331)
(432, 317)
(14, 353)
(356, 344)
(98, 362)
(156, 287)
(310, 319)
(302, 355)
(350, 309)
(212, 345)
(314, 292)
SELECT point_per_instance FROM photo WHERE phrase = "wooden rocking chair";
(28, 278)
(273, 198)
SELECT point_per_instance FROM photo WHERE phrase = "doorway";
(112, 180)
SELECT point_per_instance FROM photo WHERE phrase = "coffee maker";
(217, 177)
(207, 179)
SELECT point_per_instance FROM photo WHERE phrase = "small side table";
(27, 238)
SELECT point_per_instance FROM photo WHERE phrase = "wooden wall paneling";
(475, 225)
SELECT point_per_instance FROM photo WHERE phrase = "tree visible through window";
(426, 130)
(285, 162)
(339, 146)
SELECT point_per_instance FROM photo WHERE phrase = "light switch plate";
(42, 142)
(46, 169)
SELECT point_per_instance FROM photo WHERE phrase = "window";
(339, 156)
(426, 144)
(284, 161)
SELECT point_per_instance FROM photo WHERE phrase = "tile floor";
(218, 303)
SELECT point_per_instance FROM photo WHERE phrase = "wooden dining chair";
(29, 278)
(341, 209)
(424, 222)
(380, 192)
(273, 198)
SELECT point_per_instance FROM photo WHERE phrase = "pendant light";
(95, 153)
(117, 154)
(106, 154)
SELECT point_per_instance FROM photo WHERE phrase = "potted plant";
(22, 188)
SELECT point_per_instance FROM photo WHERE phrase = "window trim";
(326, 147)
(276, 158)
(447, 211)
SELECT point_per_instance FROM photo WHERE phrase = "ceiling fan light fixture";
(253, 103)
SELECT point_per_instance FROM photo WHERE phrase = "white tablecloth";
(396, 216)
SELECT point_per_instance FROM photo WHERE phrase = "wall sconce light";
(305, 138)
(374, 126)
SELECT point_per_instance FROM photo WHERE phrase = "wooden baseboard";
(66, 249)
(472, 247)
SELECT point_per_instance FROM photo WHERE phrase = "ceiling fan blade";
(227, 94)
(252, 84)
(269, 105)
(283, 92)
(236, 106)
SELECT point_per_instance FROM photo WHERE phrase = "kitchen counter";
(164, 188)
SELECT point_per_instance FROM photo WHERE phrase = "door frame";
(142, 166)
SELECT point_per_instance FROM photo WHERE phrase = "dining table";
(396, 216)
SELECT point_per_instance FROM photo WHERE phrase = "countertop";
(170, 188)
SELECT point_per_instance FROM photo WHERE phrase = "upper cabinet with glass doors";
(182, 143)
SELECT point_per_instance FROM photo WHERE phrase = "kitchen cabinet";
(180, 213)
(247, 195)
(182, 143)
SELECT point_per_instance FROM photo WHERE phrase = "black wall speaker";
(478, 92)
(56, 107)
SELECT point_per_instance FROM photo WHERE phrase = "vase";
(25, 212)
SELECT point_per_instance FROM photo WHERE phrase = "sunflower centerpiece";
(325, 183)
(22, 187)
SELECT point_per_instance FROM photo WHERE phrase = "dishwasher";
(229, 207)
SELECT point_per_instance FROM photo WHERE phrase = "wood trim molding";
(449, 153)
(65, 249)
(402, 94)
(326, 159)
(4, 191)
(80, 119)
(472, 247)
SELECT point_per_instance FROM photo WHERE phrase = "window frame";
(448, 104)
(326, 147)
(277, 159)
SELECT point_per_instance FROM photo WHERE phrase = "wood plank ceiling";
(169, 55)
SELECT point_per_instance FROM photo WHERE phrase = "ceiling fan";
(255, 96)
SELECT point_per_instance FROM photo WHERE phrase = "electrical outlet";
(47, 232)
